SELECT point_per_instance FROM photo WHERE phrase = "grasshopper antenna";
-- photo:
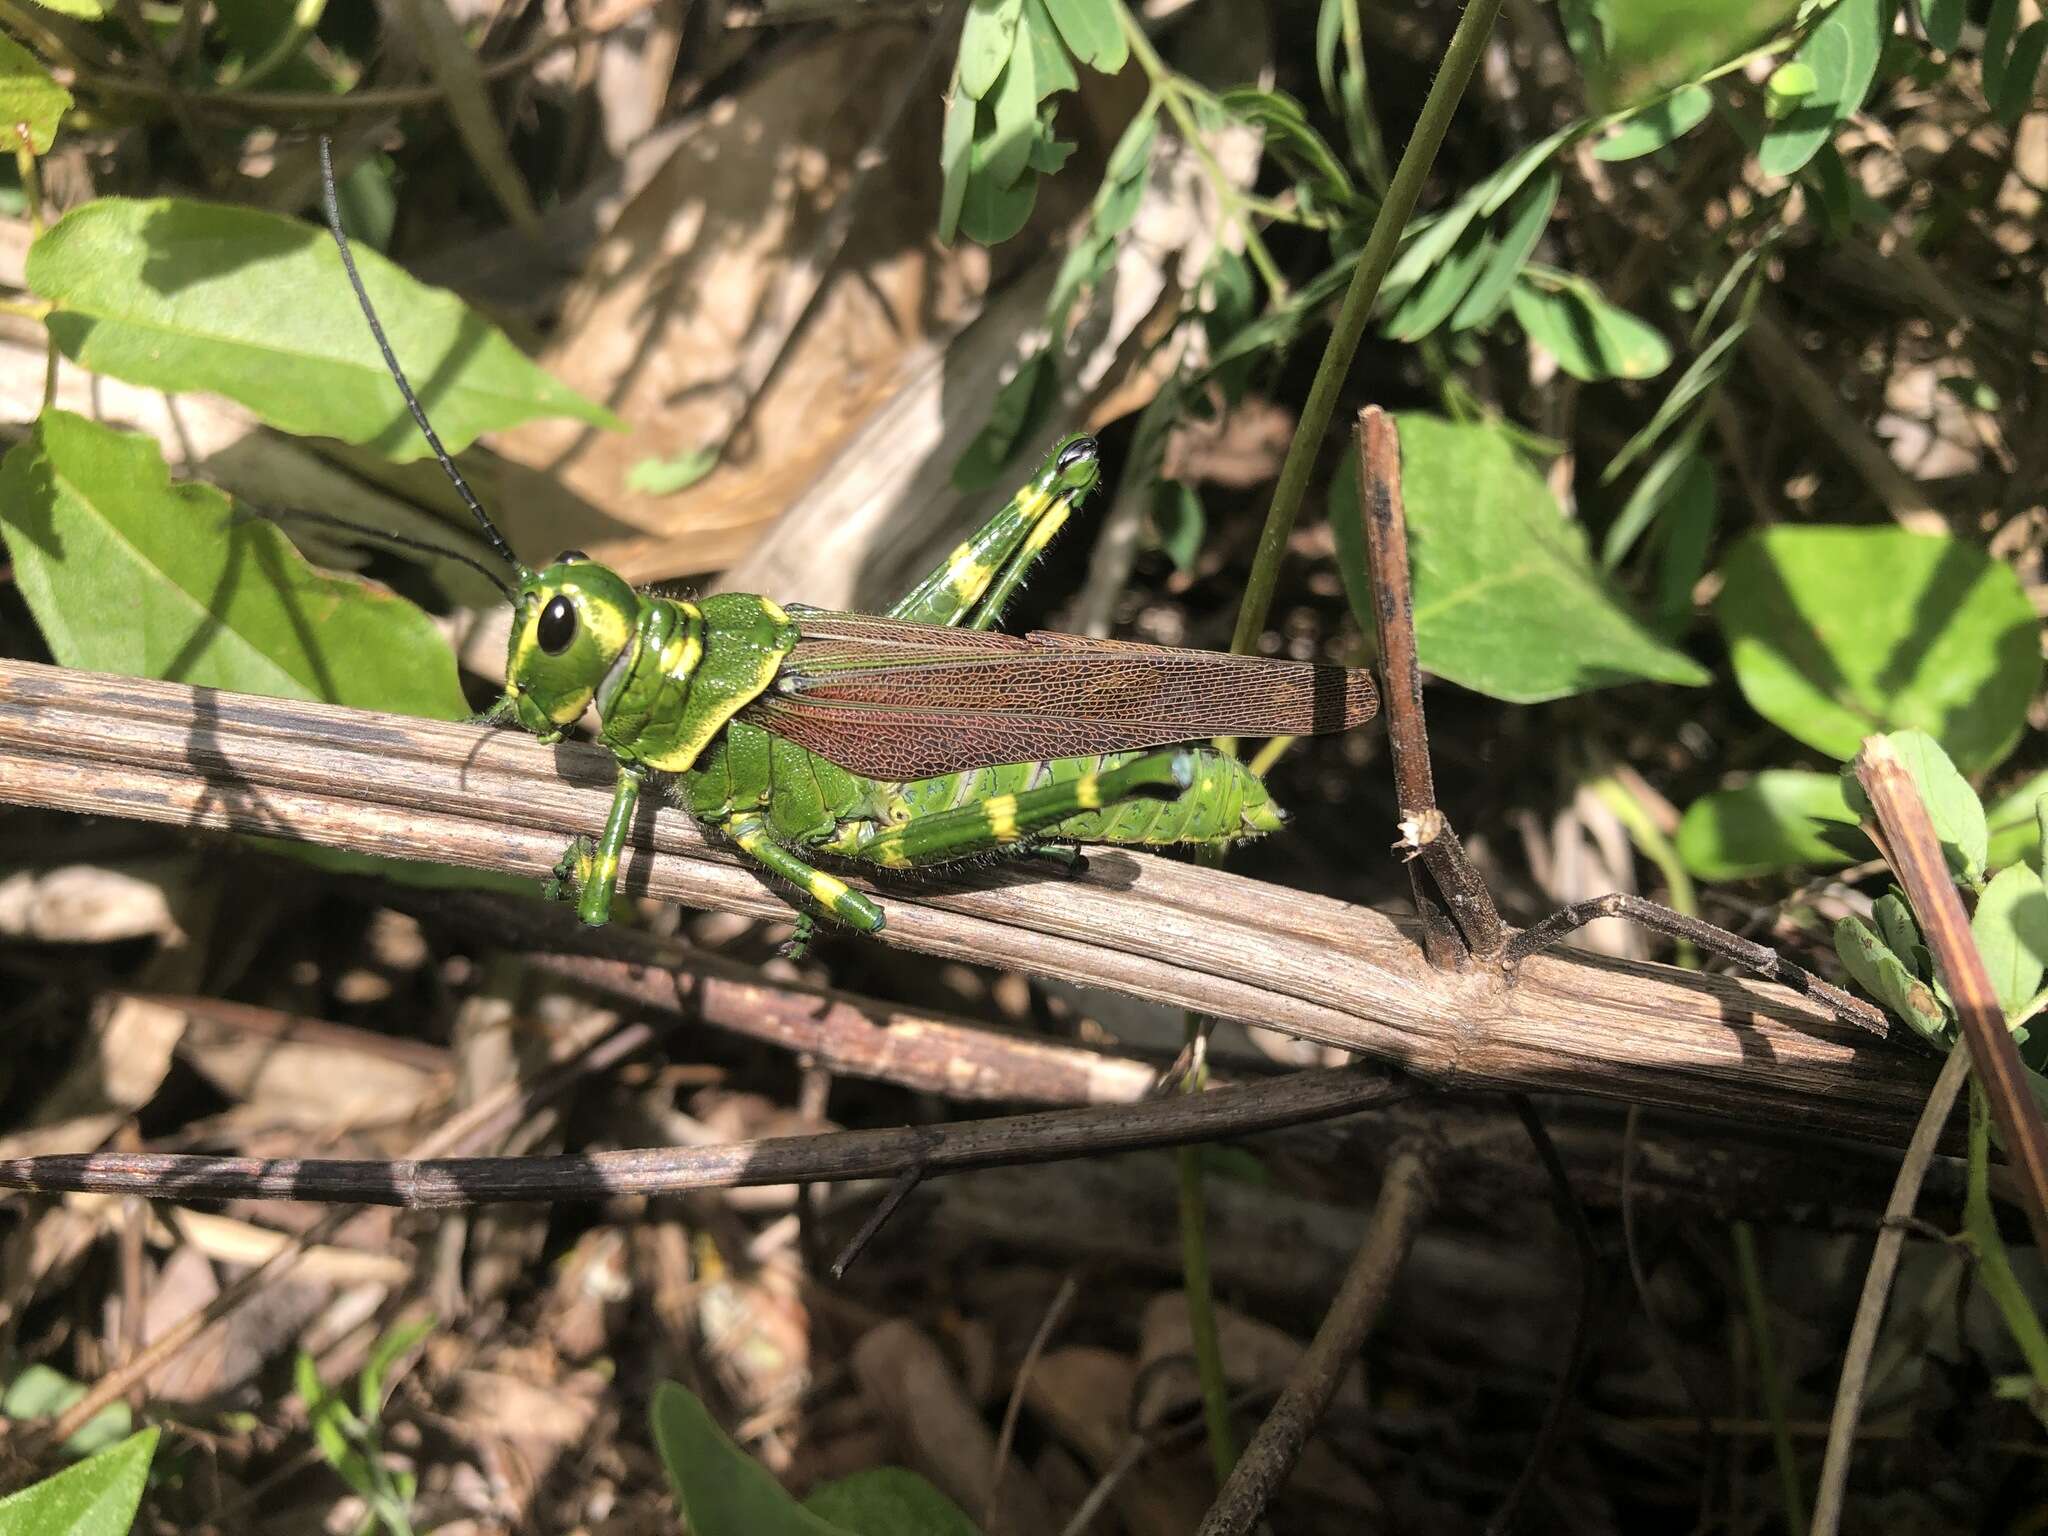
(332, 204)
(400, 540)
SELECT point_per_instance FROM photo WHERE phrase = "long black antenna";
(401, 540)
(332, 203)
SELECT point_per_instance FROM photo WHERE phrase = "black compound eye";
(1080, 448)
(557, 626)
(570, 556)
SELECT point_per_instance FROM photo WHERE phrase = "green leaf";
(1507, 602)
(1685, 524)
(1426, 241)
(1091, 30)
(178, 295)
(1522, 228)
(1884, 976)
(722, 1490)
(1179, 522)
(664, 477)
(1430, 302)
(41, 1393)
(1017, 411)
(396, 1342)
(126, 572)
(1943, 20)
(1953, 807)
(1842, 52)
(1590, 338)
(956, 146)
(30, 101)
(1700, 375)
(2014, 822)
(1841, 633)
(1653, 126)
(2010, 926)
(1652, 494)
(94, 1498)
(1049, 62)
(1781, 819)
(987, 39)
(991, 213)
(889, 1501)
(1654, 45)
(1008, 124)
(1790, 83)
(1291, 139)
(2000, 24)
(1901, 934)
(2022, 68)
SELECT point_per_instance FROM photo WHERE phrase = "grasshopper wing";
(894, 700)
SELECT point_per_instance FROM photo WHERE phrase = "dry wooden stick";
(1175, 932)
(1405, 1197)
(1426, 833)
(1914, 852)
(445, 1183)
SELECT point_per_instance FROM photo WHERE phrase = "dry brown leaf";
(939, 1428)
(314, 1075)
(1241, 449)
(1255, 1354)
(1084, 1394)
(694, 301)
(119, 1067)
(88, 904)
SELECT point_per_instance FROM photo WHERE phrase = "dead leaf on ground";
(687, 318)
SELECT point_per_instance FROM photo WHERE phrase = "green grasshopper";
(895, 741)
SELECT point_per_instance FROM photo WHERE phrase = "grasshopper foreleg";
(590, 869)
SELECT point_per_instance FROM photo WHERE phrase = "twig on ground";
(445, 1183)
(1405, 1197)
(475, 1126)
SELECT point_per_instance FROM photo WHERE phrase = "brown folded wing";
(892, 700)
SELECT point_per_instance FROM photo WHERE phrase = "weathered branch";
(441, 1183)
(1175, 932)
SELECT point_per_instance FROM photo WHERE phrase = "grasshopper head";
(1074, 469)
(571, 621)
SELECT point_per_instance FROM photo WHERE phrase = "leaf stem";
(285, 47)
(1460, 59)
(32, 194)
(1994, 1268)
(1772, 1379)
(1195, 1281)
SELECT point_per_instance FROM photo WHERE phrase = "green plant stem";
(1172, 93)
(1195, 1285)
(1366, 131)
(1994, 1268)
(32, 195)
(1460, 59)
(305, 18)
(1773, 1382)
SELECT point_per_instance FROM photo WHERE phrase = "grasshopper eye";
(1081, 448)
(569, 556)
(557, 626)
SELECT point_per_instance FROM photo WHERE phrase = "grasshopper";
(894, 741)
